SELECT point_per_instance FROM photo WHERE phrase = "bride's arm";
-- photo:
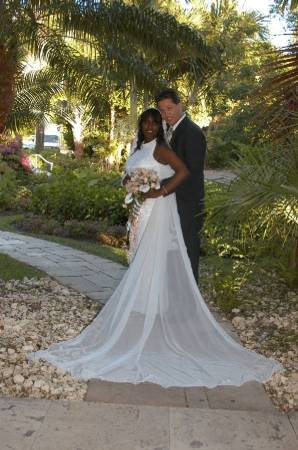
(165, 155)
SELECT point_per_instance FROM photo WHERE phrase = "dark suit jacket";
(189, 143)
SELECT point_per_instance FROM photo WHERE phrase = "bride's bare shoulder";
(162, 146)
(161, 153)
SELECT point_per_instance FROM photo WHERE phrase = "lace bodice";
(143, 158)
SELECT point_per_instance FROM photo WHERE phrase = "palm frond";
(265, 193)
(278, 97)
(34, 91)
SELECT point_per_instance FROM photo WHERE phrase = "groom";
(189, 143)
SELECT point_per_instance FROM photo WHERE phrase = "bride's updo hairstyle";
(153, 112)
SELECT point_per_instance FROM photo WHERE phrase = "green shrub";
(225, 289)
(23, 198)
(218, 237)
(8, 186)
(64, 163)
(81, 195)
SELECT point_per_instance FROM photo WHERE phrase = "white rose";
(144, 188)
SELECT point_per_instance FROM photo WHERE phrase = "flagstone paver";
(29, 424)
(249, 396)
(229, 430)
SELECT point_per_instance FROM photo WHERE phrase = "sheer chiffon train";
(156, 326)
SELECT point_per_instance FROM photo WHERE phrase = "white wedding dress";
(156, 327)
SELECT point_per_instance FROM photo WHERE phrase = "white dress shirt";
(178, 121)
(168, 131)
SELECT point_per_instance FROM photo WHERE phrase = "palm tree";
(113, 29)
(150, 49)
(22, 25)
(94, 53)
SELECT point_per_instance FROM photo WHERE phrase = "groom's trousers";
(189, 144)
(191, 219)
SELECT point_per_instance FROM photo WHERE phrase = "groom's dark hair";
(168, 93)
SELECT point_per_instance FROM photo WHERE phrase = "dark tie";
(169, 133)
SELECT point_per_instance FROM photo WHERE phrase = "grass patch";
(11, 269)
(104, 251)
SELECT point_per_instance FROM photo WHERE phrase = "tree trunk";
(112, 123)
(77, 129)
(7, 80)
(133, 104)
(78, 149)
(39, 138)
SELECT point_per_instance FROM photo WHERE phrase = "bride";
(156, 326)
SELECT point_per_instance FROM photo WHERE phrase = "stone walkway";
(60, 425)
(120, 416)
(86, 273)
(219, 175)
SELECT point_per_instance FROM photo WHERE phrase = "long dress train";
(156, 326)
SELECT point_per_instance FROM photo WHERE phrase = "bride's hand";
(153, 193)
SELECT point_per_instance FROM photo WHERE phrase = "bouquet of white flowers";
(140, 182)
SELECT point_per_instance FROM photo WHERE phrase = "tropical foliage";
(280, 92)
(261, 205)
(82, 53)
(79, 195)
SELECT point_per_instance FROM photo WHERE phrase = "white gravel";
(35, 313)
